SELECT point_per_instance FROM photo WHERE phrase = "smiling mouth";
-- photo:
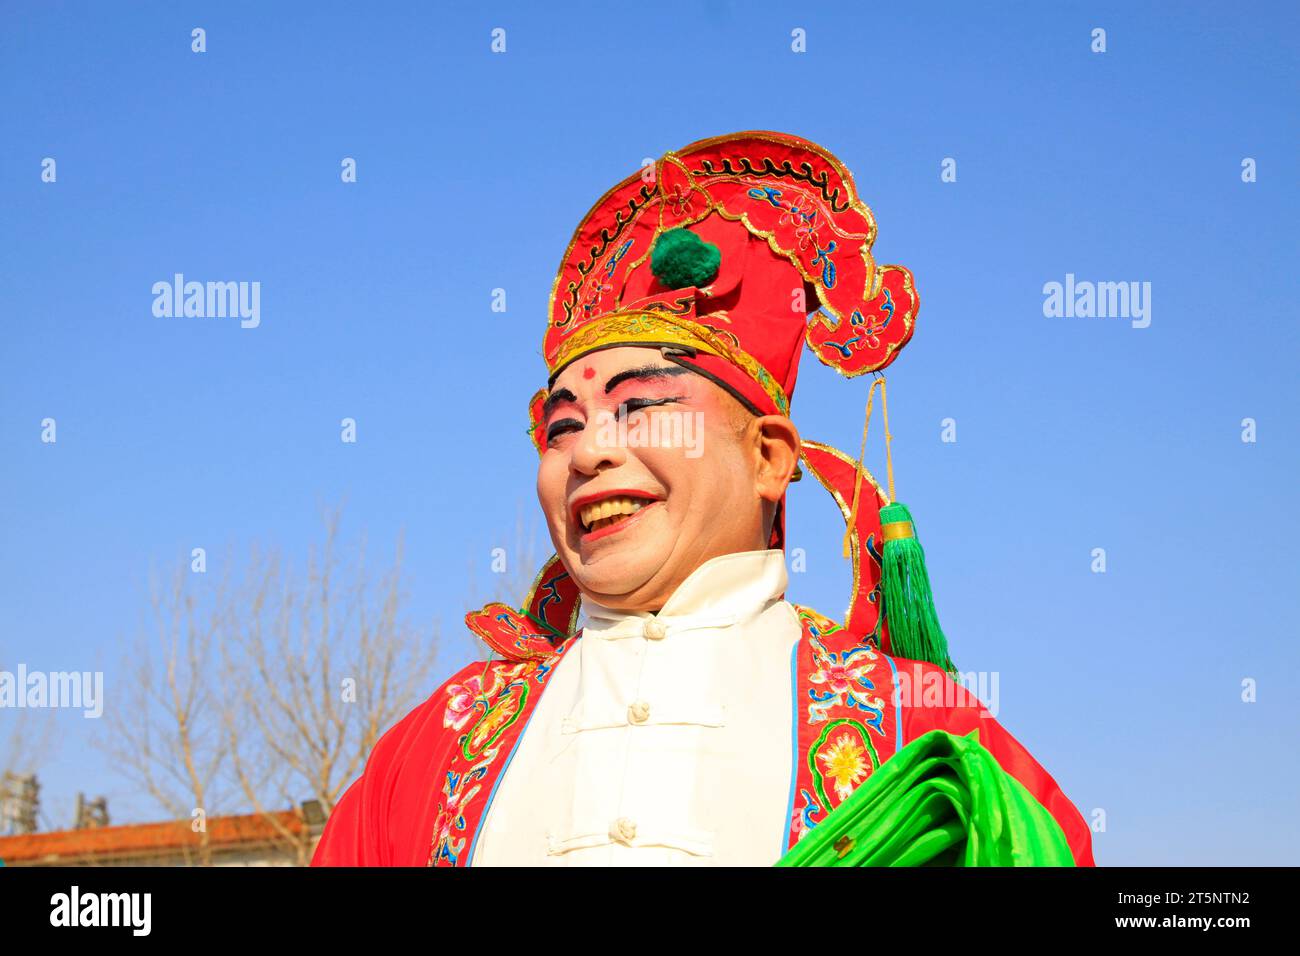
(610, 511)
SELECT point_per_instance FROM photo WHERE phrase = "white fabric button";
(638, 712)
(623, 830)
(655, 630)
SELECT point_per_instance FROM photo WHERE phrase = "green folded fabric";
(942, 800)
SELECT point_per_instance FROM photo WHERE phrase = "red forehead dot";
(588, 372)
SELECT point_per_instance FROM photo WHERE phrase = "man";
(698, 718)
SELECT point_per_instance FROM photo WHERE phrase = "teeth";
(602, 513)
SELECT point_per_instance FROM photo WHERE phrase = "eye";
(562, 427)
(637, 404)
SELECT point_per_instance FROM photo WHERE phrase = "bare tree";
(25, 741)
(316, 668)
(164, 735)
(25, 738)
(262, 694)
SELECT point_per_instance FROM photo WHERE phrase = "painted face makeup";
(644, 476)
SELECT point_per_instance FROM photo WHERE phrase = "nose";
(597, 448)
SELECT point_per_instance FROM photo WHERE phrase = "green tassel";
(914, 630)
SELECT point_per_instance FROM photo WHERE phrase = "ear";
(777, 444)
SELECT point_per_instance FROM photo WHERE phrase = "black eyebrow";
(644, 373)
(557, 396)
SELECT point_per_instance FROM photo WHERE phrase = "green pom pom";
(681, 259)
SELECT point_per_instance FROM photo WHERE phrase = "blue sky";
(474, 168)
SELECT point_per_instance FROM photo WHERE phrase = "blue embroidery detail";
(811, 807)
(618, 254)
(828, 267)
(552, 594)
(772, 196)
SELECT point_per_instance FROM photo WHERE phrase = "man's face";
(631, 520)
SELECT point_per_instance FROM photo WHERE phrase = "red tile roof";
(171, 838)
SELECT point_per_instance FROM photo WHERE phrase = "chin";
(615, 578)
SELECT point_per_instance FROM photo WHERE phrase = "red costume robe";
(430, 779)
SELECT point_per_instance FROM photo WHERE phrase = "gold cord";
(851, 526)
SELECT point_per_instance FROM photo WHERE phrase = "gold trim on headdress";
(641, 328)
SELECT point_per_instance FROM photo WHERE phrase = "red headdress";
(729, 255)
